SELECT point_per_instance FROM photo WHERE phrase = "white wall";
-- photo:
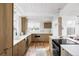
(71, 9)
(65, 25)
(39, 21)
(70, 12)
(17, 23)
(55, 25)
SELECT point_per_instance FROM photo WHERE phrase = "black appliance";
(57, 45)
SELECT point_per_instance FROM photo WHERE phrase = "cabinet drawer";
(40, 37)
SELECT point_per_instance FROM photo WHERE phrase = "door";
(6, 17)
(2, 38)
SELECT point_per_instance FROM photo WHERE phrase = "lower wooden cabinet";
(20, 48)
(29, 39)
(40, 37)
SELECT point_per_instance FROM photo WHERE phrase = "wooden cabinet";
(29, 39)
(47, 25)
(40, 37)
(23, 24)
(6, 19)
(20, 48)
(50, 47)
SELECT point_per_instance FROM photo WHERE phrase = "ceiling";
(71, 9)
(40, 8)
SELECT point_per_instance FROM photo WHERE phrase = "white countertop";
(38, 32)
(54, 37)
(72, 49)
(15, 41)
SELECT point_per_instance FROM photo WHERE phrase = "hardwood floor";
(38, 49)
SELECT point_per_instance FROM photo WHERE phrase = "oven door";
(56, 47)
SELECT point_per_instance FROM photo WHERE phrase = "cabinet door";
(8, 25)
(40, 37)
(21, 48)
(44, 37)
(2, 38)
(29, 40)
(6, 17)
(50, 47)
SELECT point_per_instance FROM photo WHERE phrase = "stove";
(57, 45)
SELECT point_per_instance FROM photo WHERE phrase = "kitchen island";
(69, 50)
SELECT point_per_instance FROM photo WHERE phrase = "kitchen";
(39, 29)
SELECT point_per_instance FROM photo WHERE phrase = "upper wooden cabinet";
(23, 24)
(6, 26)
(47, 24)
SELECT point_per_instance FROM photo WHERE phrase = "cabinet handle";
(37, 36)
